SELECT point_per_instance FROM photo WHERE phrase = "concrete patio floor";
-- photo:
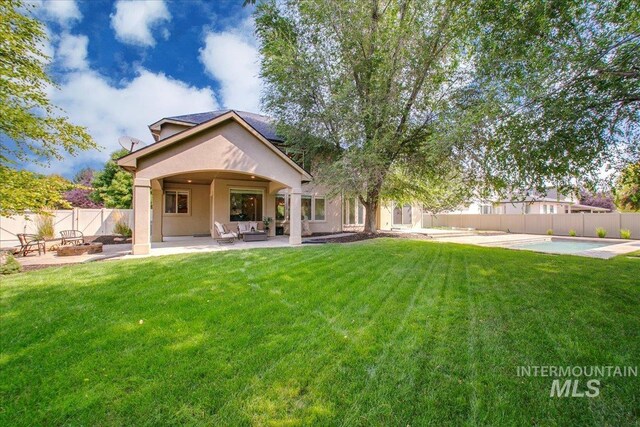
(191, 245)
(172, 246)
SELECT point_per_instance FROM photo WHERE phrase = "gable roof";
(262, 124)
(129, 161)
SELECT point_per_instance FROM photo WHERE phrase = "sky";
(122, 65)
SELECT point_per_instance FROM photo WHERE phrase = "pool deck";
(617, 247)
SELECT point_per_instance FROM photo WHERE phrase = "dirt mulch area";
(357, 237)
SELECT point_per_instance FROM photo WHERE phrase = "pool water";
(561, 246)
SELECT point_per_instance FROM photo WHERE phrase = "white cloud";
(72, 52)
(45, 45)
(232, 58)
(133, 21)
(63, 12)
(108, 111)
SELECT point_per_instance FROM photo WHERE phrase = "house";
(230, 166)
(552, 202)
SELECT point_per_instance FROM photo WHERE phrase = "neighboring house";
(230, 166)
(553, 202)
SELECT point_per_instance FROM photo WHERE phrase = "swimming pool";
(562, 246)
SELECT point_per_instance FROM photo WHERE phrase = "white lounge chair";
(224, 235)
(246, 227)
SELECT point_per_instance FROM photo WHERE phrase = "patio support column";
(141, 216)
(156, 224)
(295, 216)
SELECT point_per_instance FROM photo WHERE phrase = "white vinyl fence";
(92, 222)
(584, 224)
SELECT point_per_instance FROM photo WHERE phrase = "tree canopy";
(555, 91)
(113, 187)
(433, 99)
(80, 197)
(360, 87)
(627, 190)
(22, 191)
(31, 128)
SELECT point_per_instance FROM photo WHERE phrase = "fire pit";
(85, 248)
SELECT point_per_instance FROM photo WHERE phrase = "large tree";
(80, 196)
(555, 91)
(31, 128)
(627, 190)
(360, 88)
(433, 98)
(113, 187)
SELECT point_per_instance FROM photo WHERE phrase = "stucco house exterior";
(229, 166)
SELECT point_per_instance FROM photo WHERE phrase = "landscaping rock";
(85, 248)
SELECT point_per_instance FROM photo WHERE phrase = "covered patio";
(194, 245)
(222, 170)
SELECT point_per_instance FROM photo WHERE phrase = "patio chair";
(31, 243)
(245, 227)
(72, 237)
(224, 235)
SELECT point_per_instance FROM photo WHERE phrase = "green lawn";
(386, 332)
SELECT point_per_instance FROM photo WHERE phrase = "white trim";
(313, 208)
(358, 221)
(402, 218)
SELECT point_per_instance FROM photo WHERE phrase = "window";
(402, 214)
(319, 209)
(397, 214)
(552, 209)
(406, 214)
(306, 207)
(527, 208)
(245, 205)
(280, 207)
(544, 209)
(312, 207)
(176, 202)
(353, 212)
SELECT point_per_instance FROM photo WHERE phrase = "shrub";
(8, 264)
(122, 224)
(550, 232)
(572, 233)
(45, 228)
(601, 232)
(625, 233)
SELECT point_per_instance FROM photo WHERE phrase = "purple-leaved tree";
(79, 197)
(599, 199)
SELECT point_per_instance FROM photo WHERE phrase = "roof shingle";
(262, 124)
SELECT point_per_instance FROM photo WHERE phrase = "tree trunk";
(370, 209)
